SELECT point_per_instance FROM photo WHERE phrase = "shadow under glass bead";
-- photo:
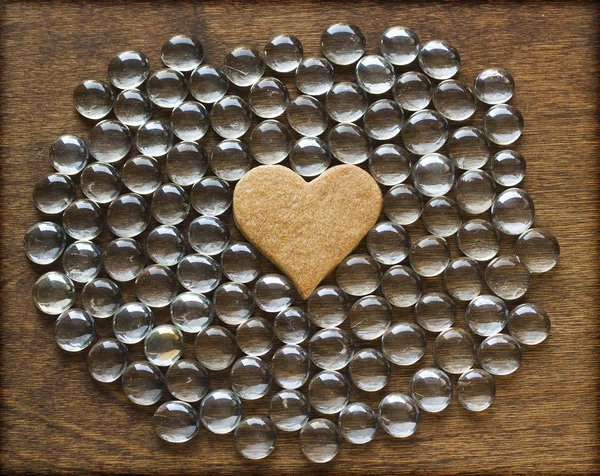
(398, 415)
(328, 392)
(240, 262)
(369, 370)
(320, 440)
(289, 410)
(508, 168)
(176, 422)
(255, 437)
(53, 194)
(74, 330)
(476, 390)
(431, 389)
(270, 142)
(358, 423)
(442, 216)
(191, 312)
(343, 44)
(101, 297)
(375, 74)
(82, 261)
(208, 84)
(402, 204)
(82, 220)
(255, 336)
(133, 107)
(189, 121)
(273, 293)
(399, 45)
(412, 91)
(478, 239)
(370, 317)
(383, 120)
(538, 249)
(170, 204)
(128, 69)
(425, 132)
(208, 235)
(215, 348)
(290, 366)
(454, 350)
(268, 98)
(314, 76)
(230, 160)
(44, 242)
(292, 325)
(283, 53)
(167, 88)
(143, 383)
(199, 273)
(346, 102)
(165, 245)
(182, 53)
(221, 411)
(244, 66)
(331, 349)
(529, 324)
(439, 59)
(486, 315)
(132, 322)
(250, 378)
(513, 211)
(429, 256)
(186, 163)
(54, 293)
(401, 286)
(187, 380)
(69, 154)
(142, 175)
(404, 343)
(107, 360)
(388, 243)
(163, 345)
(101, 182)
(233, 303)
(156, 286)
(128, 215)
(435, 312)
(507, 277)
(230, 117)
(109, 141)
(500, 354)
(328, 306)
(93, 99)
(123, 259)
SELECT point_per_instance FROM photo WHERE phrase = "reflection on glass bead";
(53, 293)
(375, 74)
(435, 312)
(167, 88)
(93, 99)
(133, 107)
(101, 182)
(307, 116)
(128, 69)
(191, 312)
(163, 346)
(343, 44)
(69, 154)
(289, 410)
(187, 380)
(208, 84)
(508, 168)
(358, 274)
(82, 261)
(132, 322)
(199, 273)
(123, 259)
(412, 91)
(383, 120)
(233, 303)
(404, 343)
(475, 191)
(254, 336)
(439, 59)
(500, 354)
(429, 256)
(402, 204)
(182, 53)
(309, 156)
(314, 76)
(165, 245)
(349, 143)
(454, 350)
(109, 141)
(398, 415)
(250, 378)
(399, 45)
(230, 160)
(208, 235)
(101, 297)
(424, 132)
(331, 349)
(389, 164)
(486, 315)
(388, 242)
(107, 360)
(170, 204)
(292, 325)
(215, 348)
(503, 124)
(268, 98)
(320, 440)
(454, 100)
(156, 286)
(433, 175)
(53, 194)
(74, 330)
(468, 148)
(273, 293)
(255, 437)
(328, 392)
(142, 175)
(463, 279)
(513, 211)
(431, 389)
(189, 121)
(240, 262)
(154, 138)
(476, 390)
(328, 306)
(401, 286)
(211, 196)
(143, 383)
(369, 370)
(82, 220)
(230, 117)
(244, 66)
(441, 216)
(290, 366)
(44, 242)
(283, 53)
(529, 324)
(270, 142)
(507, 277)
(358, 423)
(370, 317)
(538, 249)
(494, 86)
(221, 411)
(176, 422)
(346, 102)
(478, 239)
(128, 215)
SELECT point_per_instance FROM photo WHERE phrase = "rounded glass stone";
(538, 249)
(109, 141)
(328, 306)
(404, 343)
(154, 138)
(240, 262)
(399, 45)
(320, 440)
(230, 117)
(314, 76)
(191, 312)
(255, 336)
(503, 124)
(513, 211)
(82, 220)
(529, 324)
(143, 383)
(167, 88)
(358, 274)
(358, 423)
(250, 378)
(211, 196)
(170, 204)
(53, 194)
(273, 293)
(435, 312)
(54, 293)
(133, 107)
(309, 157)
(389, 164)
(292, 325)
(429, 256)
(346, 102)
(208, 235)
(478, 239)
(69, 154)
(44, 242)
(215, 348)
(433, 175)
(93, 99)
(187, 380)
(182, 53)
(331, 349)
(270, 142)
(176, 422)
(369, 370)
(375, 74)
(132, 322)
(165, 245)
(475, 191)
(383, 120)
(401, 286)
(486, 315)
(494, 86)
(349, 143)
(199, 273)
(244, 66)
(439, 59)
(156, 286)
(507, 277)
(128, 69)
(398, 415)
(82, 261)
(230, 160)
(107, 360)
(468, 148)
(128, 215)
(370, 317)
(343, 44)
(463, 279)
(74, 330)
(283, 53)
(268, 98)
(442, 216)
(289, 410)
(500, 354)
(328, 392)
(221, 411)
(101, 182)
(290, 366)
(431, 389)
(101, 297)
(508, 168)
(208, 84)
(454, 100)
(402, 204)
(123, 259)
(388, 243)
(476, 390)
(163, 346)
(142, 175)
(307, 116)
(255, 437)
(412, 91)
(189, 121)
(454, 350)
(425, 132)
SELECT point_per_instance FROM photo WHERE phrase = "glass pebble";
(494, 86)
(331, 349)
(320, 440)
(349, 143)
(123, 259)
(292, 325)
(370, 317)
(187, 380)
(513, 211)
(101, 297)
(388, 243)
(215, 348)
(369, 370)
(53, 193)
(401, 286)
(170, 204)
(54, 293)
(389, 164)
(163, 346)
(358, 423)
(435, 312)
(69, 154)
(255, 336)
(109, 141)
(507, 277)
(478, 239)
(165, 245)
(182, 53)
(208, 235)
(439, 59)
(431, 389)
(221, 411)
(255, 437)
(399, 45)
(82, 220)
(454, 100)
(402, 204)
(529, 324)
(211, 196)
(538, 249)
(74, 330)
(442, 216)
(208, 84)
(375, 74)
(273, 293)
(328, 392)
(307, 116)
(289, 410)
(268, 98)
(290, 366)
(189, 121)
(454, 350)
(107, 360)
(346, 102)
(328, 306)
(412, 91)
(429, 256)
(476, 390)
(176, 422)
(314, 76)
(142, 175)
(270, 142)
(128, 69)
(82, 261)
(404, 343)
(343, 44)
(230, 160)
(101, 182)
(154, 138)
(508, 168)
(199, 273)
(230, 117)
(132, 322)
(93, 99)
(500, 354)
(309, 157)
(486, 315)
(503, 124)
(167, 88)
(463, 279)
(468, 148)
(398, 415)
(383, 120)
(250, 378)
(191, 312)
(156, 286)
(475, 191)
(128, 215)
(44, 242)
(358, 274)
(283, 53)
(433, 175)
(233, 303)
(133, 107)
(143, 383)
(240, 262)
(244, 66)
(425, 132)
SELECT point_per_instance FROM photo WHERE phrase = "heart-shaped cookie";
(306, 228)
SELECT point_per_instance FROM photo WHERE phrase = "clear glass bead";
(463, 279)
(320, 440)
(128, 69)
(529, 324)
(402, 204)
(167, 88)
(283, 53)
(230, 160)
(328, 306)
(358, 423)
(142, 175)
(328, 392)
(370, 317)
(128, 215)
(233, 303)
(494, 86)
(123, 259)
(358, 274)
(74, 330)
(486, 315)
(107, 360)
(508, 168)
(412, 91)
(331, 349)
(101, 182)
(349, 143)
(54, 293)
(369, 370)
(189, 121)
(476, 390)
(507, 277)
(221, 411)
(82, 261)
(439, 59)
(132, 322)
(154, 138)
(156, 286)
(431, 389)
(93, 99)
(82, 220)
(244, 66)
(375, 74)
(191, 312)
(268, 98)
(69, 154)
(513, 211)
(211, 196)
(307, 116)
(199, 273)
(401, 286)
(343, 44)
(346, 102)
(182, 53)
(500, 354)
(208, 235)
(255, 336)
(215, 348)
(433, 175)
(133, 107)
(273, 293)
(388, 243)
(314, 76)
(309, 157)
(255, 437)
(163, 346)
(442, 216)
(454, 100)
(435, 312)
(143, 383)
(44, 242)
(538, 249)
(250, 378)
(53, 193)
(292, 325)
(289, 410)
(270, 142)
(240, 262)
(398, 415)
(475, 191)
(429, 256)
(170, 204)
(230, 117)
(109, 141)
(468, 148)
(176, 422)
(208, 84)
(454, 350)
(101, 297)
(187, 380)
(425, 132)
(165, 245)
(389, 164)
(290, 366)
(503, 124)
(399, 45)
(478, 239)
(186, 163)
(383, 120)
(404, 343)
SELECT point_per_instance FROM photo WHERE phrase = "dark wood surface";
(55, 418)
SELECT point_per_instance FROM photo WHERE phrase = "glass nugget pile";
(144, 175)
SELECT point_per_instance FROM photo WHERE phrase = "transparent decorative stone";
(398, 415)
(128, 69)
(215, 348)
(402, 204)
(107, 360)
(191, 312)
(431, 389)
(529, 324)
(309, 157)
(233, 303)
(289, 410)
(425, 132)
(270, 142)
(54, 293)
(463, 279)
(346, 102)
(189, 121)
(358, 423)
(53, 193)
(208, 235)
(388, 243)
(176, 422)
(163, 346)
(454, 350)
(429, 256)
(133, 107)
(109, 141)
(143, 383)
(369, 370)
(230, 117)
(156, 286)
(240, 262)
(328, 392)
(165, 245)
(132, 322)
(182, 53)
(292, 325)
(187, 380)
(476, 390)
(343, 44)
(513, 211)
(503, 124)
(128, 215)
(307, 116)
(74, 330)
(230, 160)
(435, 312)
(221, 411)
(328, 306)
(494, 86)
(500, 354)
(199, 273)
(442, 216)
(255, 336)
(358, 274)
(154, 138)
(468, 148)
(375, 74)
(412, 91)
(507, 277)
(123, 259)
(142, 175)
(211, 196)
(331, 349)
(399, 45)
(314, 76)
(454, 100)
(433, 175)
(273, 293)
(478, 239)
(383, 120)
(244, 66)
(486, 315)
(255, 437)
(404, 343)
(283, 53)
(475, 191)
(370, 317)
(439, 59)
(187, 162)
(69, 154)
(349, 143)
(170, 204)
(538, 249)
(101, 182)
(268, 98)
(44, 242)
(101, 297)
(208, 84)
(508, 168)
(320, 440)
(250, 378)
(167, 88)
(93, 99)
(82, 261)
(82, 220)
(389, 164)
(401, 286)
(290, 366)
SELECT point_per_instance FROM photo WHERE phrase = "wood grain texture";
(545, 419)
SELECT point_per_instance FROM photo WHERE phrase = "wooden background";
(55, 418)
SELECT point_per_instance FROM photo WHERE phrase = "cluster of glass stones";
(145, 173)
